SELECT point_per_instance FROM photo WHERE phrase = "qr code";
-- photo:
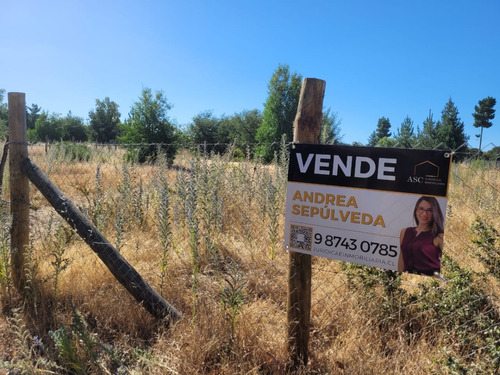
(301, 237)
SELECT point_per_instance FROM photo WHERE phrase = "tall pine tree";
(32, 114)
(383, 131)
(405, 137)
(427, 136)
(483, 115)
(450, 130)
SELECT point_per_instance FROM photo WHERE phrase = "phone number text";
(353, 244)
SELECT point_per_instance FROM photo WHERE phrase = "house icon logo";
(426, 169)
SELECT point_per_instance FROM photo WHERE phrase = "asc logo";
(423, 170)
(415, 180)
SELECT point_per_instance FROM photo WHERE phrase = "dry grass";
(348, 334)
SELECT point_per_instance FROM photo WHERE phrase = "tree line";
(446, 133)
(251, 131)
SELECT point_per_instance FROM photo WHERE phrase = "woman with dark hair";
(422, 245)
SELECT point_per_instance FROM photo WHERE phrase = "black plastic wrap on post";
(116, 263)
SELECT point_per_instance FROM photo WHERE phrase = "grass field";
(207, 235)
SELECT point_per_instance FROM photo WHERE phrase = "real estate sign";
(351, 203)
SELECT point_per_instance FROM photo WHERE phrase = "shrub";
(72, 152)
(465, 316)
(149, 153)
(485, 238)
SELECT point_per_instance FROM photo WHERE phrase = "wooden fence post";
(307, 129)
(19, 186)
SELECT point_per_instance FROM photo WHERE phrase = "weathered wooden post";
(306, 129)
(22, 171)
(19, 186)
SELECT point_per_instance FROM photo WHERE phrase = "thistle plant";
(29, 349)
(232, 296)
(125, 190)
(281, 170)
(211, 203)
(262, 186)
(5, 270)
(32, 284)
(273, 212)
(138, 204)
(60, 262)
(193, 228)
(247, 228)
(126, 185)
(5, 256)
(119, 228)
(210, 208)
(98, 211)
(52, 157)
(180, 208)
(165, 230)
(77, 348)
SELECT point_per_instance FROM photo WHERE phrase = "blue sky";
(378, 58)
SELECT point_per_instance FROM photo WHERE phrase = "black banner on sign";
(387, 169)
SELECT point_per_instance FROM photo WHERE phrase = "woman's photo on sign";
(421, 245)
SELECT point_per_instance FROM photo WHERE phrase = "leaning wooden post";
(116, 263)
(19, 186)
(306, 129)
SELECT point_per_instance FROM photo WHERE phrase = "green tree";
(205, 130)
(483, 115)
(241, 128)
(47, 128)
(386, 142)
(32, 114)
(54, 127)
(426, 137)
(450, 130)
(405, 136)
(330, 128)
(493, 154)
(73, 129)
(104, 121)
(383, 131)
(279, 111)
(148, 128)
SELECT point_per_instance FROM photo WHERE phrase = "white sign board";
(363, 205)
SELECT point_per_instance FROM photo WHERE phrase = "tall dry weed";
(206, 234)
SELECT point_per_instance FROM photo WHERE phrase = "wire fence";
(205, 230)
